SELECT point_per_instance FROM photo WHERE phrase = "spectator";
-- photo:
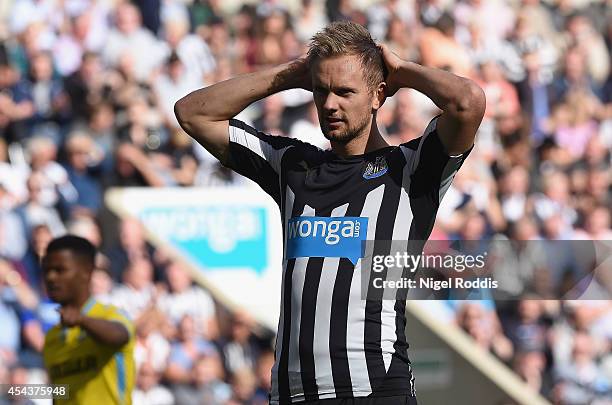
(130, 246)
(502, 100)
(173, 84)
(137, 292)
(244, 384)
(152, 346)
(177, 159)
(39, 239)
(130, 37)
(482, 324)
(207, 386)
(514, 191)
(184, 353)
(133, 169)
(13, 235)
(186, 299)
(531, 367)
(581, 380)
(240, 350)
(82, 159)
(148, 390)
(55, 186)
(193, 52)
(527, 331)
(16, 104)
(439, 48)
(83, 85)
(264, 376)
(48, 96)
(36, 212)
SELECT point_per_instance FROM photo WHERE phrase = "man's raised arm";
(461, 100)
(204, 114)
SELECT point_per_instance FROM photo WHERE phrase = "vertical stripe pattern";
(331, 342)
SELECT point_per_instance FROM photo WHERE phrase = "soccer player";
(332, 346)
(91, 350)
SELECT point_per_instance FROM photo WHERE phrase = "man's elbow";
(471, 103)
(121, 336)
(181, 111)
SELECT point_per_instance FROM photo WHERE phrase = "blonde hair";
(343, 38)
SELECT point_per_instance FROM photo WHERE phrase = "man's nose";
(331, 102)
(49, 276)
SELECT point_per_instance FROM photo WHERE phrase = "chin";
(57, 298)
(337, 136)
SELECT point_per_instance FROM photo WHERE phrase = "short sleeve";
(257, 155)
(432, 169)
(117, 315)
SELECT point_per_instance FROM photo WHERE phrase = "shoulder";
(239, 130)
(111, 313)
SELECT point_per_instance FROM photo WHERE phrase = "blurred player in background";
(91, 350)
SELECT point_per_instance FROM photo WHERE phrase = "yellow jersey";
(95, 373)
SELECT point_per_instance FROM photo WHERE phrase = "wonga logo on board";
(326, 237)
(216, 237)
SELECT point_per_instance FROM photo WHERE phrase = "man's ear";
(379, 96)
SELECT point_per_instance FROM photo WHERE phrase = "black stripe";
(283, 362)
(307, 327)
(425, 186)
(373, 309)
(339, 313)
(249, 164)
(338, 324)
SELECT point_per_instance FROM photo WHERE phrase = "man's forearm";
(445, 89)
(107, 332)
(222, 101)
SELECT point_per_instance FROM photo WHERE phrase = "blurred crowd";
(87, 89)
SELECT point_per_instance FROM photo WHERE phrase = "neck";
(78, 301)
(368, 141)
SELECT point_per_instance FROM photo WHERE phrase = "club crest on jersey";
(376, 168)
(326, 237)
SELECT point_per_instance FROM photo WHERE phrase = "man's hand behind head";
(296, 75)
(393, 64)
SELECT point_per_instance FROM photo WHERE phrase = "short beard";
(348, 134)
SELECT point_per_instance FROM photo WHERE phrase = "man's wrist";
(80, 320)
(286, 76)
(406, 73)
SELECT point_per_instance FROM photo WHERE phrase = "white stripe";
(256, 145)
(403, 218)
(288, 208)
(355, 344)
(401, 230)
(323, 365)
(297, 287)
(448, 173)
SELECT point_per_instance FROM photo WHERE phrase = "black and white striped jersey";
(331, 343)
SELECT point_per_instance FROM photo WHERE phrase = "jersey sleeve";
(115, 314)
(257, 155)
(431, 169)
